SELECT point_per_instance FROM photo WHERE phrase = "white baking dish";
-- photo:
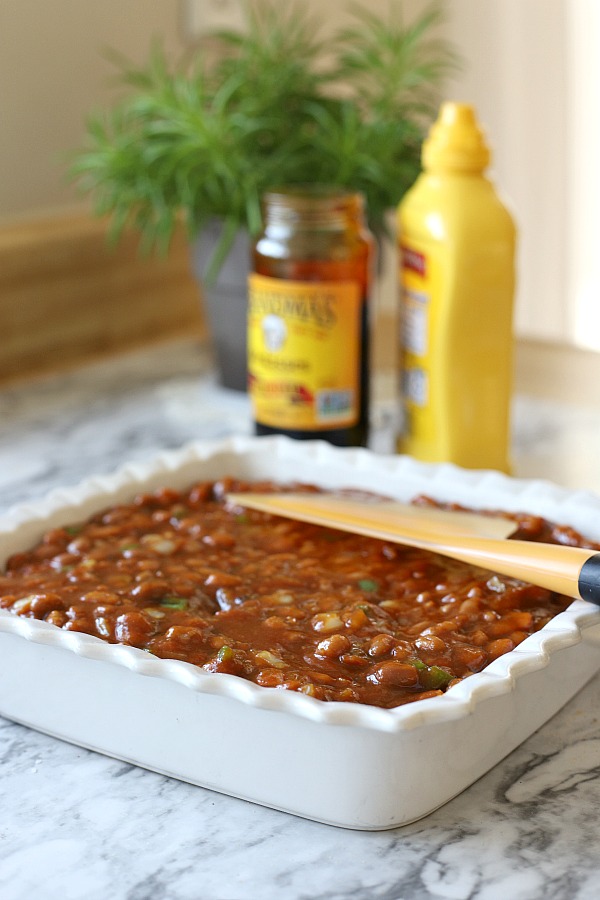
(344, 764)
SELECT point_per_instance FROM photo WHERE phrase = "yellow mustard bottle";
(456, 257)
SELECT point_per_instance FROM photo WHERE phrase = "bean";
(57, 617)
(403, 650)
(150, 590)
(322, 677)
(499, 647)
(167, 496)
(148, 566)
(311, 690)
(471, 658)
(518, 636)
(290, 684)
(356, 619)
(56, 536)
(349, 695)
(274, 622)
(381, 645)
(222, 580)
(395, 674)
(470, 607)
(227, 598)
(510, 622)
(430, 643)
(354, 661)
(16, 562)
(200, 494)
(102, 627)
(269, 678)
(271, 659)
(133, 628)
(390, 605)
(326, 622)
(218, 539)
(182, 635)
(333, 646)
(479, 638)
(42, 604)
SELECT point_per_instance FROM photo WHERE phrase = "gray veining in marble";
(75, 825)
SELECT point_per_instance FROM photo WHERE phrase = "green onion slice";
(367, 584)
(174, 602)
(434, 678)
(418, 664)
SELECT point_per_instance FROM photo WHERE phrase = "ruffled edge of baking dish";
(320, 463)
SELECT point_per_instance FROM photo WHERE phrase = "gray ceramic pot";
(225, 303)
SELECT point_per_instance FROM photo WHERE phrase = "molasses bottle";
(308, 316)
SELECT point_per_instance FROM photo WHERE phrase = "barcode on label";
(416, 386)
(333, 404)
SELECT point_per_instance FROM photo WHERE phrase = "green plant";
(276, 105)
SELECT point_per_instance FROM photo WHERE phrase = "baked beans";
(187, 575)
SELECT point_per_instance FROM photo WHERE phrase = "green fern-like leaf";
(276, 105)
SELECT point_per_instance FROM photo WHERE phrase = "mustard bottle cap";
(455, 142)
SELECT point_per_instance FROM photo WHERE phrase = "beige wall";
(527, 70)
(52, 73)
(534, 74)
(516, 76)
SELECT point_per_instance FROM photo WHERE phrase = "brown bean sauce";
(185, 575)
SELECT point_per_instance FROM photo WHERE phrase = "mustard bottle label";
(303, 352)
(418, 279)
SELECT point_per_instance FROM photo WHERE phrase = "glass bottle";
(308, 316)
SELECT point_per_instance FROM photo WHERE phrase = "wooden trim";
(66, 296)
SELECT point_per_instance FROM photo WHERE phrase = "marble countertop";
(75, 824)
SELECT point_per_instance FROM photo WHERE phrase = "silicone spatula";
(470, 537)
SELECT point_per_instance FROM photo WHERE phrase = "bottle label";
(415, 324)
(419, 280)
(304, 352)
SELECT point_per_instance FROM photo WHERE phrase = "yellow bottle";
(457, 244)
